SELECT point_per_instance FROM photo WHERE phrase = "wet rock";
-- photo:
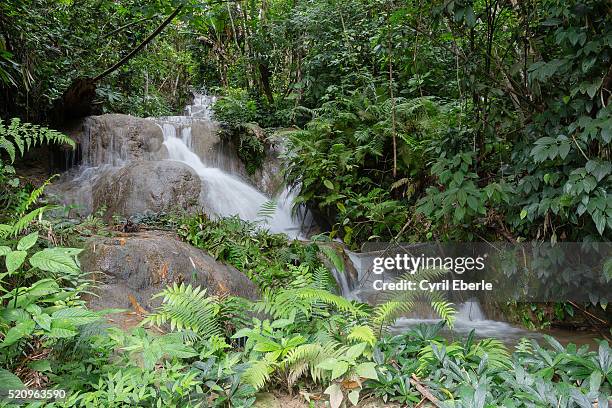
(147, 186)
(115, 139)
(134, 267)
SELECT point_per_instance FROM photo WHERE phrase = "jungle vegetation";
(404, 120)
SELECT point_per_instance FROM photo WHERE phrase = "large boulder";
(134, 267)
(115, 139)
(144, 186)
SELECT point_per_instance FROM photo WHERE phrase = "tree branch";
(140, 46)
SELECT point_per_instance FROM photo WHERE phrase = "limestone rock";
(147, 186)
(115, 139)
(140, 265)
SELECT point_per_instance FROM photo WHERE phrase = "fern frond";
(524, 346)
(307, 357)
(185, 307)
(267, 210)
(496, 352)
(287, 303)
(323, 279)
(34, 196)
(18, 137)
(387, 313)
(362, 334)
(258, 373)
(334, 257)
(21, 224)
(400, 183)
(446, 311)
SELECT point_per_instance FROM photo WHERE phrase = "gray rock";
(143, 186)
(142, 264)
(115, 139)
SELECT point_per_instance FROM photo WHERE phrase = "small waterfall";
(111, 142)
(343, 284)
(469, 316)
(470, 311)
(224, 194)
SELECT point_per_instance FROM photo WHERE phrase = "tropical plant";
(347, 374)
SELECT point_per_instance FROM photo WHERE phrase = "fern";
(524, 346)
(496, 353)
(307, 357)
(362, 334)
(446, 311)
(258, 373)
(33, 197)
(285, 303)
(19, 137)
(323, 279)
(386, 313)
(267, 210)
(185, 307)
(333, 256)
(22, 223)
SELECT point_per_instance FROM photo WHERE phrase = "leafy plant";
(347, 375)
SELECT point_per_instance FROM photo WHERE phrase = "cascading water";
(224, 194)
(115, 143)
(470, 315)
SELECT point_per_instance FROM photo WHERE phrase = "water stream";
(470, 314)
(225, 194)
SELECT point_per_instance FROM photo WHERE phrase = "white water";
(224, 194)
(470, 315)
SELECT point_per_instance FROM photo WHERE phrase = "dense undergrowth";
(219, 351)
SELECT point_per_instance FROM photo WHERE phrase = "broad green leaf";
(4, 250)
(14, 260)
(335, 395)
(27, 242)
(328, 364)
(43, 320)
(60, 333)
(22, 329)
(57, 260)
(367, 370)
(74, 316)
(339, 369)
(43, 287)
(40, 365)
(9, 381)
(353, 396)
(356, 350)
(328, 184)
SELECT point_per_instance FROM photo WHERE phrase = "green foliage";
(262, 256)
(185, 307)
(51, 45)
(16, 138)
(235, 108)
(346, 369)
(42, 308)
(342, 164)
(483, 373)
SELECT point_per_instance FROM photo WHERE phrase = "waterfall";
(110, 143)
(224, 194)
(470, 311)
